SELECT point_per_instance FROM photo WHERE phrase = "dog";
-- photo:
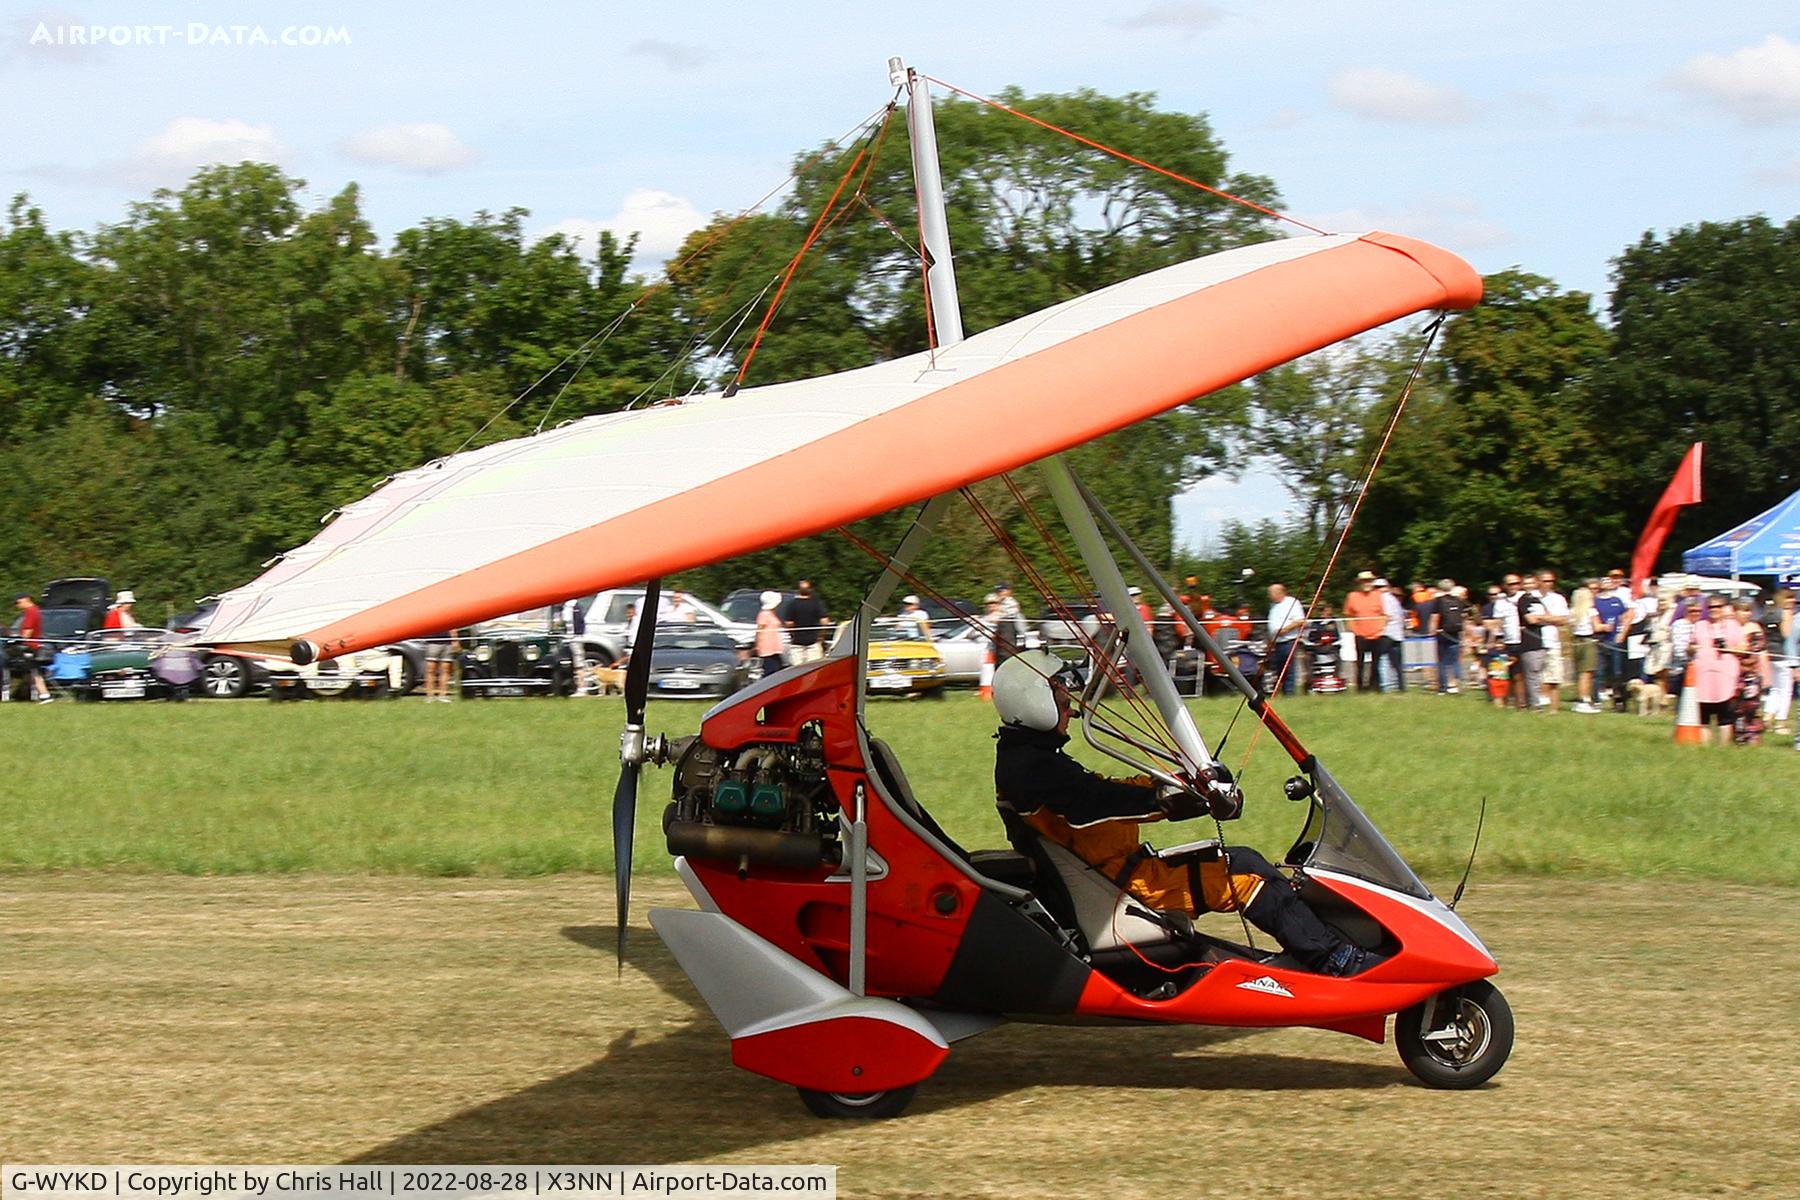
(608, 680)
(1652, 697)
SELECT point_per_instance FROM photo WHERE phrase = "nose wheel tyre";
(858, 1106)
(1458, 1038)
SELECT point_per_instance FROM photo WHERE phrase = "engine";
(768, 804)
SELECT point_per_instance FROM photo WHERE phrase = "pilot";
(1097, 819)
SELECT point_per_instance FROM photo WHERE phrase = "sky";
(1537, 135)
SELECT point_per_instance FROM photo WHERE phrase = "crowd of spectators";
(1523, 644)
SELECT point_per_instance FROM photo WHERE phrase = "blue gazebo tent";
(1768, 544)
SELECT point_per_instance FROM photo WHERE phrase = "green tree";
(226, 299)
(46, 292)
(1705, 349)
(1312, 419)
(1497, 463)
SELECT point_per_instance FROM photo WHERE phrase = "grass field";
(521, 788)
(409, 1020)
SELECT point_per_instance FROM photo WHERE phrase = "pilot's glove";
(1223, 798)
(1181, 804)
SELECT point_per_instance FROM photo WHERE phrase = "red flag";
(1683, 489)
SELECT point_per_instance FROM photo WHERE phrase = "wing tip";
(1461, 282)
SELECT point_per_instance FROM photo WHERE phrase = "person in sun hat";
(914, 619)
(1364, 619)
(121, 615)
(768, 633)
(1011, 636)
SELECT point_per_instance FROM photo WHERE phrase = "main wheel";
(858, 1106)
(1470, 1035)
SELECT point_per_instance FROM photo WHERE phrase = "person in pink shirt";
(768, 633)
(1718, 641)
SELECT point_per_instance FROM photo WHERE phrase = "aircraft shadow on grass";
(674, 1096)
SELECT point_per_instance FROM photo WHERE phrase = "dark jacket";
(1031, 772)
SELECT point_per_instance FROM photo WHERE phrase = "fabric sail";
(622, 497)
(1683, 490)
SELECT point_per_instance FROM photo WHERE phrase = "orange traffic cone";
(987, 676)
(1687, 713)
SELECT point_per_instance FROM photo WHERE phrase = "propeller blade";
(624, 824)
(637, 671)
(631, 752)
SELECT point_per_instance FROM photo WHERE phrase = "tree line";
(186, 393)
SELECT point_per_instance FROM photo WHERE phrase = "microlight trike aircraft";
(840, 936)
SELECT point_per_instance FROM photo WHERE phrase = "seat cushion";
(1005, 866)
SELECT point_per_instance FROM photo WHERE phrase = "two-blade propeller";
(632, 751)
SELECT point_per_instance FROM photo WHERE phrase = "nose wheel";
(858, 1106)
(1458, 1038)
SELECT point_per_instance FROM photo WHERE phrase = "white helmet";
(1022, 689)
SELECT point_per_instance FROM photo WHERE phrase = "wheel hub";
(1463, 1038)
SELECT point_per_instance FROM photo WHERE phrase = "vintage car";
(696, 660)
(369, 675)
(520, 655)
(124, 664)
(901, 663)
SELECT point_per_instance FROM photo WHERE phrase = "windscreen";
(1340, 838)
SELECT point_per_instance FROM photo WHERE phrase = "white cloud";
(1184, 18)
(1453, 222)
(1384, 95)
(187, 143)
(676, 56)
(425, 148)
(1760, 84)
(661, 220)
(170, 157)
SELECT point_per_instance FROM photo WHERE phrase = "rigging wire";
(1117, 675)
(1367, 480)
(1139, 717)
(612, 326)
(741, 314)
(818, 227)
(1120, 154)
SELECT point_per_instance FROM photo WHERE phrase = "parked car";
(222, 676)
(964, 648)
(608, 632)
(69, 608)
(520, 655)
(125, 664)
(741, 606)
(943, 614)
(367, 674)
(1081, 625)
(899, 662)
(696, 660)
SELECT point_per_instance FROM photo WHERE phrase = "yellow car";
(901, 661)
